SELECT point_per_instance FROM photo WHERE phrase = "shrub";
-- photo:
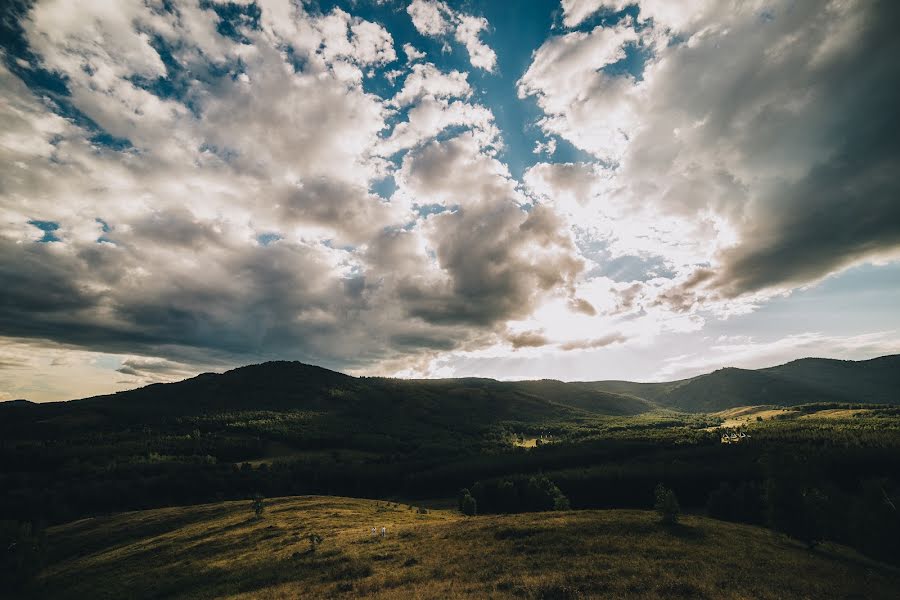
(666, 504)
(257, 505)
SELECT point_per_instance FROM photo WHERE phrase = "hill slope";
(727, 388)
(868, 381)
(218, 550)
(335, 401)
(286, 385)
(798, 382)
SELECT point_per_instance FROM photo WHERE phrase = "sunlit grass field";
(222, 550)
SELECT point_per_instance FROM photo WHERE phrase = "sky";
(574, 189)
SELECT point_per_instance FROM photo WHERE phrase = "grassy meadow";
(222, 550)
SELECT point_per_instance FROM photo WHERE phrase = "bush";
(257, 505)
(466, 502)
(666, 504)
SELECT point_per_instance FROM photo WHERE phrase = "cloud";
(229, 139)
(425, 80)
(581, 102)
(753, 142)
(589, 344)
(495, 258)
(576, 11)
(467, 33)
(433, 18)
(430, 17)
(152, 370)
(412, 54)
(194, 185)
(757, 354)
(527, 339)
(664, 13)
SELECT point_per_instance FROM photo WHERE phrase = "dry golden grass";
(838, 413)
(219, 550)
(742, 415)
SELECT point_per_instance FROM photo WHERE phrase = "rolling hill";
(867, 381)
(730, 387)
(383, 406)
(801, 381)
(293, 386)
(222, 551)
(286, 385)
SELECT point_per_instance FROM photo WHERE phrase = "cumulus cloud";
(496, 259)
(576, 11)
(236, 220)
(412, 54)
(434, 18)
(425, 80)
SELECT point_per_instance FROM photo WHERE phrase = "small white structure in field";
(383, 532)
(373, 532)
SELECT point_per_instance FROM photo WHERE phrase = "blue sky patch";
(49, 228)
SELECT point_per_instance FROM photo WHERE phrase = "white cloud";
(752, 354)
(412, 54)
(239, 223)
(582, 104)
(425, 80)
(548, 147)
(728, 147)
(576, 11)
(430, 17)
(434, 18)
(480, 54)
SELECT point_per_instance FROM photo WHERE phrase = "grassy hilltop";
(221, 550)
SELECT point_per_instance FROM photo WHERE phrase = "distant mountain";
(868, 381)
(339, 405)
(292, 385)
(798, 382)
(268, 386)
(727, 388)
(283, 385)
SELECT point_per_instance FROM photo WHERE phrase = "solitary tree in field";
(666, 504)
(257, 505)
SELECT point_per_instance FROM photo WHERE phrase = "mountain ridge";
(286, 384)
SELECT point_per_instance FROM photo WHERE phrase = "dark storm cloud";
(487, 251)
(847, 207)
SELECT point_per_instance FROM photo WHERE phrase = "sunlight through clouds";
(416, 188)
